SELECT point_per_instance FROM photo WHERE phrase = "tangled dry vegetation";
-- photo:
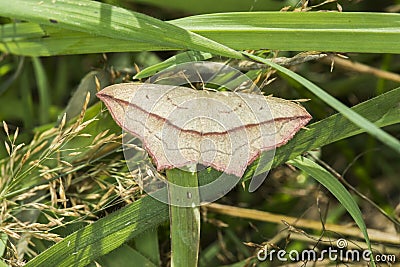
(55, 180)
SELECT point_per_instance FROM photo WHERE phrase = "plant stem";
(184, 217)
(147, 244)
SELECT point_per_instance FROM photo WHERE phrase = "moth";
(180, 126)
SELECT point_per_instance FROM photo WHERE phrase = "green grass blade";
(367, 32)
(87, 85)
(26, 100)
(43, 88)
(211, 6)
(105, 235)
(337, 189)
(184, 221)
(351, 115)
(147, 245)
(110, 21)
(300, 31)
(6, 83)
(189, 56)
(124, 255)
(32, 39)
(382, 110)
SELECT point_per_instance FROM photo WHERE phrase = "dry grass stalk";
(60, 182)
